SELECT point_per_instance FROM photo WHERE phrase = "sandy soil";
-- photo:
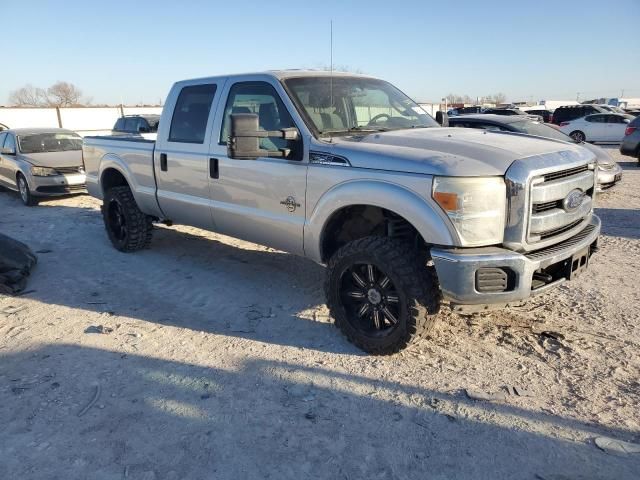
(222, 363)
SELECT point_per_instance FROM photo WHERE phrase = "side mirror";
(442, 118)
(244, 141)
(7, 151)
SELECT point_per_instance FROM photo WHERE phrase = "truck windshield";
(49, 142)
(349, 105)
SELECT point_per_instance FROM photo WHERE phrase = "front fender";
(425, 217)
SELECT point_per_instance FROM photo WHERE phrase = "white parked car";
(598, 127)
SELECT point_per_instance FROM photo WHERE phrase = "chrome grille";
(548, 216)
(537, 188)
(565, 173)
(69, 170)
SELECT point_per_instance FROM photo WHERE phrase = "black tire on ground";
(24, 192)
(578, 136)
(128, 228)
(381, 295)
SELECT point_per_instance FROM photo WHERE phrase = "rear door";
(181, 159)
(260, 200)
(596, 127)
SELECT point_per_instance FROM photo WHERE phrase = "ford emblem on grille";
(573, 200)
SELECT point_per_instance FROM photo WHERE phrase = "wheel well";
(112, 178)
(358, 221)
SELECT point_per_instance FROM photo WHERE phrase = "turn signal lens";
(448, 201)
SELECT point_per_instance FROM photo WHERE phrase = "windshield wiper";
(356, 129)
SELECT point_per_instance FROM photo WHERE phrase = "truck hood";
(69, 158)
(446, 151)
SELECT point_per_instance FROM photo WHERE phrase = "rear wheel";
(24, 192)
(380, 294)
(129, 229)
(578, 136)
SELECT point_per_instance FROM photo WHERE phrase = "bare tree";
(28, 96)
(496, 98)
(455, 98)
(64, 94)
(60, 94)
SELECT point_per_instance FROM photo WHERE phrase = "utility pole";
(578, 97)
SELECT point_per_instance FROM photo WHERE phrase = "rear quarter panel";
(133, 158)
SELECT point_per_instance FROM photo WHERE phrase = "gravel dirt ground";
(207, 357)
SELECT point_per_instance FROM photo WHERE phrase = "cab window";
(191, 113)
(261, 99)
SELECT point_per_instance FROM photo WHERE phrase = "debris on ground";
(484, 396)
(611, 445)
(96, 395)
(104, 329)
(16, 262)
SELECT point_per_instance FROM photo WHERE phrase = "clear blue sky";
(134, 50)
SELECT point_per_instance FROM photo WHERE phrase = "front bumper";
(457, 270)
(58, 185)
(608, 178)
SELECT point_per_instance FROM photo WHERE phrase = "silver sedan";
(39, 162)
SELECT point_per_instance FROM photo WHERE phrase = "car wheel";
(24, 192)
(129, 229)
(381, 295)
(578, 136)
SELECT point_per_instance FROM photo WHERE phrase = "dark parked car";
(465, 110)
(609, 172)
(631, 141)
(137, 124)
(566, 113)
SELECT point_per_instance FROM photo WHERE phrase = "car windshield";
(49, 142)
(348, 105)
(540, 130)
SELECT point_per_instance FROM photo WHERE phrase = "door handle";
(163, 162)
(214, 172)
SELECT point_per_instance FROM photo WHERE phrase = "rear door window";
(2, 137)
(119, 124)
(596, 118)
(131, 124)
(191, 113)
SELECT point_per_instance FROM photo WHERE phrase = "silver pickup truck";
(351, 173)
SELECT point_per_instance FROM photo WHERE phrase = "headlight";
(43, 171)
(476, 206)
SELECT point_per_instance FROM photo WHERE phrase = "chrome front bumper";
(457, 269)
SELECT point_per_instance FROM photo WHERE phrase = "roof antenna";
(331, 66)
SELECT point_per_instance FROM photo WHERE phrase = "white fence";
(84, 120)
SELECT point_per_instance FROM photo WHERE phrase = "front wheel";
(578, 136)
(129, 229)
(381, 295)
(25, 194)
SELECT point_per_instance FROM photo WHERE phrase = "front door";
(260, 200)
(615, 128)
(181, 155)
